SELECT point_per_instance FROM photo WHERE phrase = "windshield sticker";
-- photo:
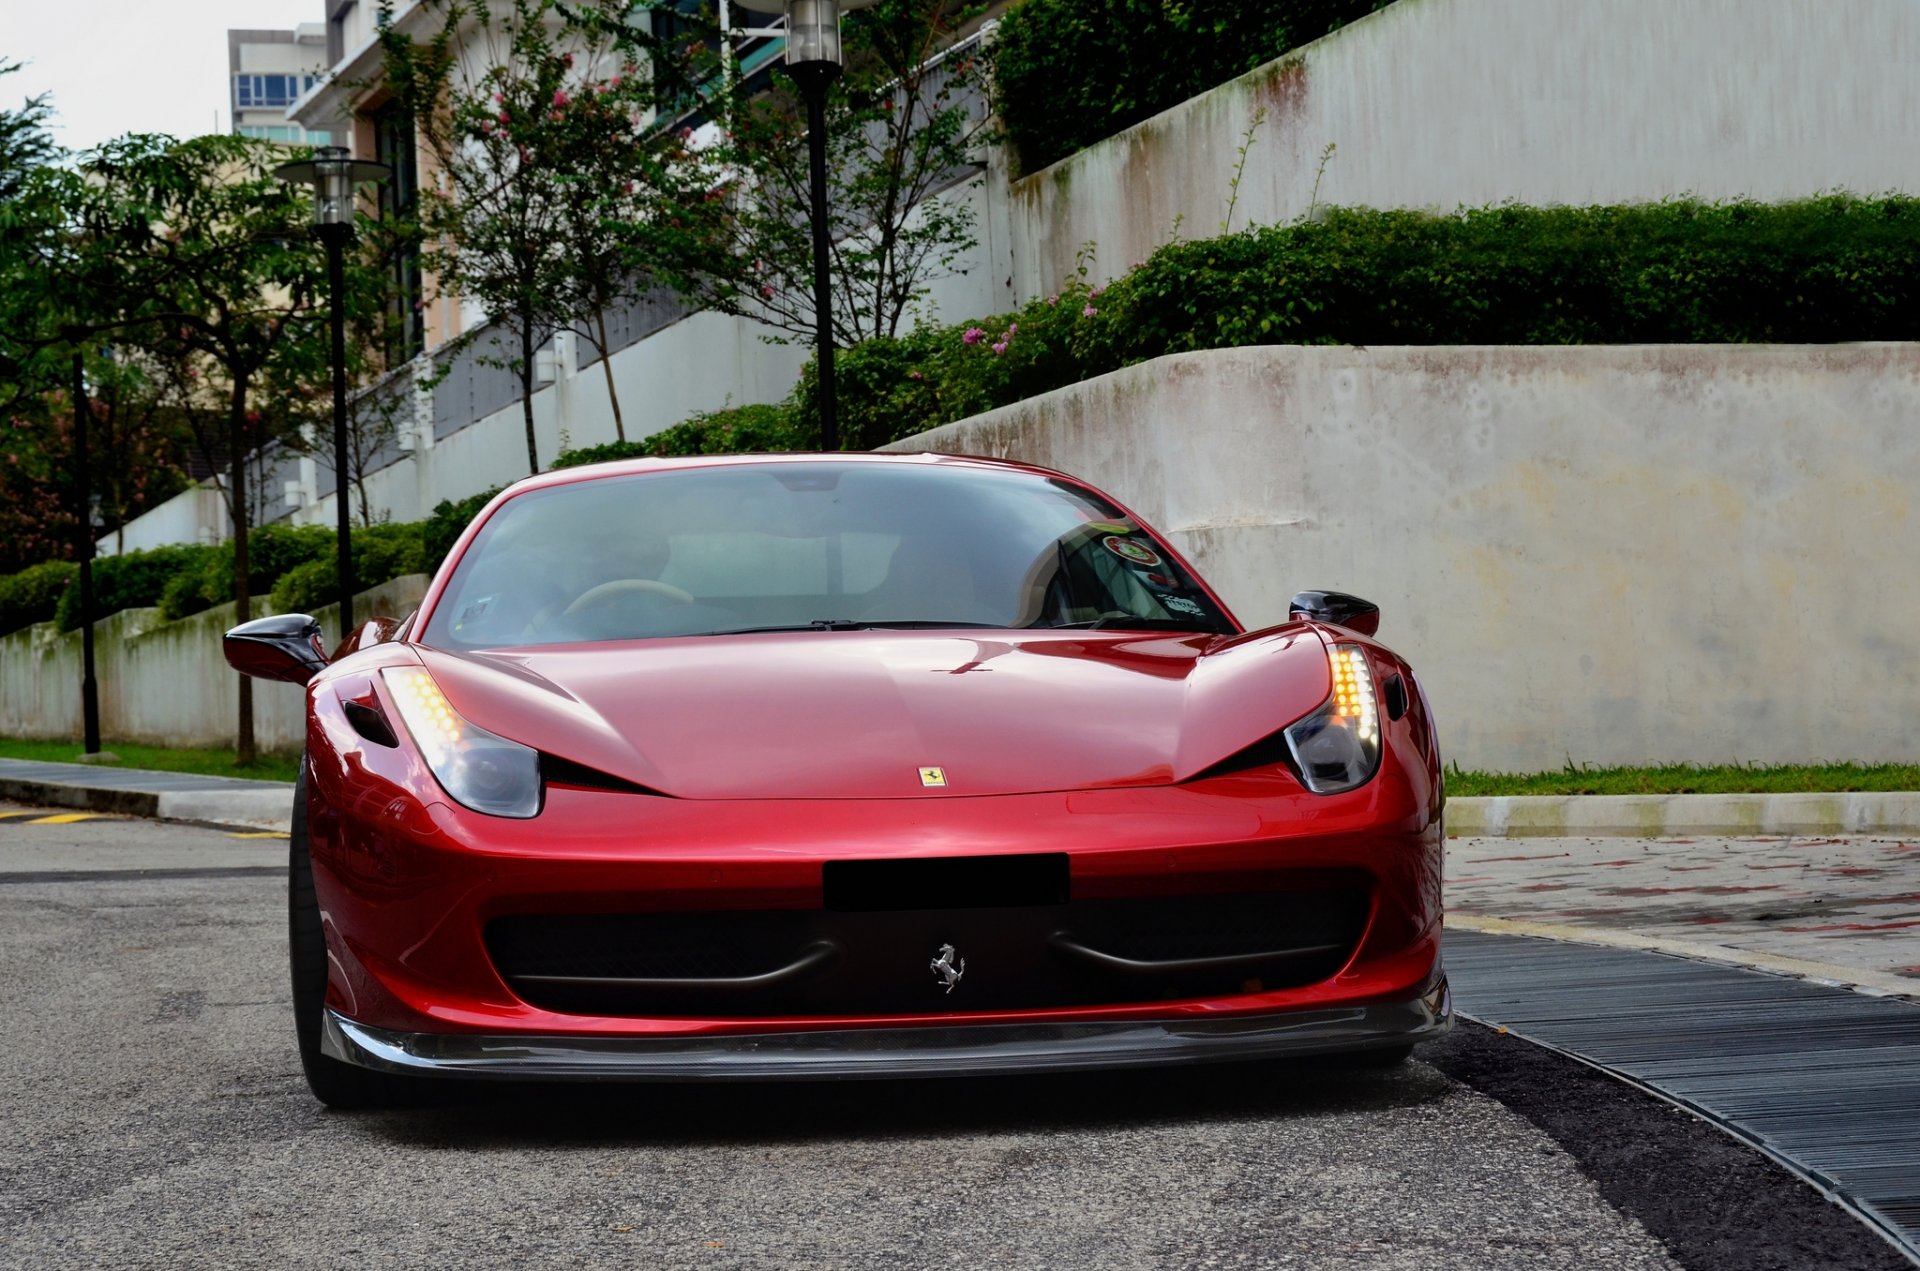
(1110, 527)
(1162, 581)
(1180, 604)
(1137, 553)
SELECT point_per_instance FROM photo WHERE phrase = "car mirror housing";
(284, 647)
(1338, 609)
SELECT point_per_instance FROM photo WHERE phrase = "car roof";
(624, 467)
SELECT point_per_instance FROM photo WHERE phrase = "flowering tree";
(536, 116)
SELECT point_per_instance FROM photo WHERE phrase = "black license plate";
(947, 882)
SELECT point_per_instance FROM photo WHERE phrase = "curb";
(1893, 813)
(236, 809)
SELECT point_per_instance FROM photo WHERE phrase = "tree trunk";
(606, 364)
(242, 591)
(526, 392)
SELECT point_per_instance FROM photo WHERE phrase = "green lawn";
(1689, 779)
(215, 763)
(1671, 779)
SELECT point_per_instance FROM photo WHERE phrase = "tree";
(903, 122)
(220, 288)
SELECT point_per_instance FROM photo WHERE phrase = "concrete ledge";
(1673, 815)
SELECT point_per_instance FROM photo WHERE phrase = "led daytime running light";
(435, 725)
(1353, 699)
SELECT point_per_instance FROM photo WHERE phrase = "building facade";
(267, 71)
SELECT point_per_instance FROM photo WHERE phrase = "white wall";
(1619, 555)
(163, 683)
(1444, 103)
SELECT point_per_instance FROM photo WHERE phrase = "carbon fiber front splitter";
(851, 1054)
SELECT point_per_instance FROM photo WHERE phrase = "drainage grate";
(1824, 1079)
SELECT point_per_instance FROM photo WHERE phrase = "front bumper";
(843, 1054)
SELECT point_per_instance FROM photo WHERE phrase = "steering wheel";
(607, 591)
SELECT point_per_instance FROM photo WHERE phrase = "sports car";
(838, 765)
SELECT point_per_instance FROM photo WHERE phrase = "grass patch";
(1684, 778)
(210, 763)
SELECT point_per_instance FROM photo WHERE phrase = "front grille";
(761, 963)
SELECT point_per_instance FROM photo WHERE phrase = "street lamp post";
(333, 176)
(89, 686)
(814, 61)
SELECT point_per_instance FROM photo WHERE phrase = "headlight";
(482, 770)
(1338, 746)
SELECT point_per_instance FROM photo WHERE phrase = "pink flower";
(766, 289)
(615, 82)
(1097, 292)
(1088, 312)
(915, 375)
(972, 336)
(505, 118)
(566, 59)
(999, 348)
(501, 98)
(1053, 300)
(1013, 329)
(560, 97)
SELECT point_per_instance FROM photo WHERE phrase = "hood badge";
(947, 967)
(933, 778)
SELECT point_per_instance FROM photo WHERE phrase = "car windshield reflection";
(811, 546)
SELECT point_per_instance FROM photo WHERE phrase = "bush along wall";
(1073, 72)
(1816, 271)
(1811, 272)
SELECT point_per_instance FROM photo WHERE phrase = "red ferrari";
(825, 766)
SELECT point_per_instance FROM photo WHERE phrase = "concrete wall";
(1604, 555)
(165, 683)
(1443, 103)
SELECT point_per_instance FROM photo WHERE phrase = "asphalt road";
(154, 1116)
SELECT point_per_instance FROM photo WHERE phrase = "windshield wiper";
(848, 624)
(1130, 622)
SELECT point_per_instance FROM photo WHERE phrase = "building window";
(255, 91)
(393, 142)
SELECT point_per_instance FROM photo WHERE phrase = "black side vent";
(565, 772)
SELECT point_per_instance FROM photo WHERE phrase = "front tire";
(336, 1084)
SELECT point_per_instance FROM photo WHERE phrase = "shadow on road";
(478, 1115)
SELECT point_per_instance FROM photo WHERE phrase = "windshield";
(802, 545)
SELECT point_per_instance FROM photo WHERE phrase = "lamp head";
(332, 172)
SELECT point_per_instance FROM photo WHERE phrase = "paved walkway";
(176, 796)
(1840, 909)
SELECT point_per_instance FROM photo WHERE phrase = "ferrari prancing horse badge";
(947, 968)
(933, 777)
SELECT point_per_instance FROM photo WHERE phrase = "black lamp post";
(333, 174)
(813, 62)
(89, 687)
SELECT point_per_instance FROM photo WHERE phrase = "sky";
(118, 66)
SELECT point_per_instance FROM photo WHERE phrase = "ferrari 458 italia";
(826, 766)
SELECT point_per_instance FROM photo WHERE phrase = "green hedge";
(1816, 271)
(1072, 72)
(33, 594)
(380, 552)
(736, 430)
(132, 580)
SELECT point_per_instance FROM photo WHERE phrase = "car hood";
(858, 715)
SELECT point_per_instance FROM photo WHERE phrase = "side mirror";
(284, 647)
(1338, 609)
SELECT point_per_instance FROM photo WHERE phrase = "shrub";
(380, 553)
(1071, 72)
(186, 592)
(33, 594)
(131, 580)
(449, 521)
(1821, 270)
(735, 430)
